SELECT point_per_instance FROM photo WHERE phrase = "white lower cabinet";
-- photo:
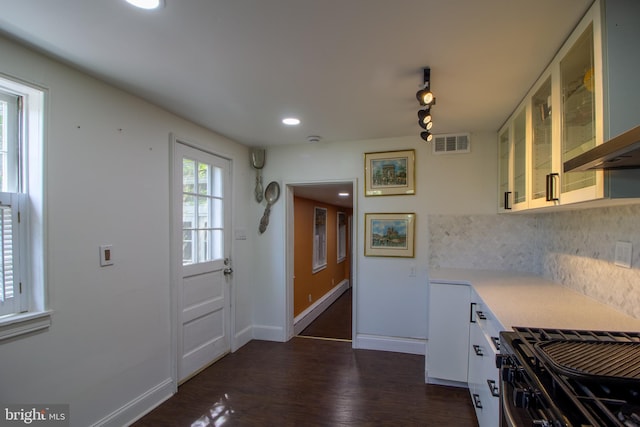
(462, 347)
(448, 346)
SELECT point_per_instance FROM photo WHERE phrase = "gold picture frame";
(389, 173)
(389, 234)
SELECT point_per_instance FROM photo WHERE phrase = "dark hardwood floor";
(313, 382)
(335, 322)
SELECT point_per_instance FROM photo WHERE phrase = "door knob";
(227, 271)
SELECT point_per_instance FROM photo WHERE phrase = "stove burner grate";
(593, 360)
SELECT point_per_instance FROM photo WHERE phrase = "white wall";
(391, 307)
(107, 182)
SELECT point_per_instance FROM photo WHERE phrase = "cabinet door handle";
(476, 401)
(471, 310)
(507, 199)
(495, 390)
(551, 187)
(478, 350)
(496, 343)
(481, 315)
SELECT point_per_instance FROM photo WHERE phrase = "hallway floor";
(335, 322)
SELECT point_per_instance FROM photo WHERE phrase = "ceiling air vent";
(451, 143)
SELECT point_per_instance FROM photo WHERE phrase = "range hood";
(621, 152)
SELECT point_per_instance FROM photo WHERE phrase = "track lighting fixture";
(427, 100)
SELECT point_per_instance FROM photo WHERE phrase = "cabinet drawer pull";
(493, 388)
(496, 343)
(481, 315)
(506, 199)
(478, 350)
(471, 310)
(551, 187)
(476, 401)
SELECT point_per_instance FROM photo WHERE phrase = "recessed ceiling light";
(147, 4)
(291, 121)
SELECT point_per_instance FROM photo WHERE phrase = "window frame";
(341, 236)
(33, 314)
(319, 239)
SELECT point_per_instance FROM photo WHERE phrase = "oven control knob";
(521, 397)
(503, 360)
(508, 374)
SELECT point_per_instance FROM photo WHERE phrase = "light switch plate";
(623, 254)
(106, 255)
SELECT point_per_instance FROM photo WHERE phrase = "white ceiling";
(349, 69)
(326, 192)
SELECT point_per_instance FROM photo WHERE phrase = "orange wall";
(306, 283)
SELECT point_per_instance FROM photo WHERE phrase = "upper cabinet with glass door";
(512, 152)
(581, 99)
(587, 95)
(541, 156)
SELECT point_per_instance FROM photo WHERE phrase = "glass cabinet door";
(578, 108)
(520, 157)
(541, 140)
(503, 165)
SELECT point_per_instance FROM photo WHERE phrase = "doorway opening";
(321, 256)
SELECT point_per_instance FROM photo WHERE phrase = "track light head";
(427, 136)
(425, 97)
(424, 118)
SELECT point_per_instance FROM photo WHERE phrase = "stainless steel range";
(554, 377)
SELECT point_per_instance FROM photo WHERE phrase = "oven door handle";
(507, 416)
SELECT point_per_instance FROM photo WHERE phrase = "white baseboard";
(137, 408)
(268, 333)
(438, 381)
(396, 344)
(305, 318)
(242, 337)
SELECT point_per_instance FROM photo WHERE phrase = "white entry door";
(201, 206)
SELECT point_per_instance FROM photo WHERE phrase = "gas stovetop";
(574, 377)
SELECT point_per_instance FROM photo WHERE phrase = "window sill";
(318, 268)
(21, 324)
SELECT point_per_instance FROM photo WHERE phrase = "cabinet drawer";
(491, 327)
(483, 377)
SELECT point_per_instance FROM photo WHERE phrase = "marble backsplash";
(574, 248)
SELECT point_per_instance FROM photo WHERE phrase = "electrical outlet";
(412, 271)
(310, 298)
(623, 254)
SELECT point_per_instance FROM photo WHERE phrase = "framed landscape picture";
(389, 234)
(389, 173)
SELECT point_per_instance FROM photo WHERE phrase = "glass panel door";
(520, 157)
(503, 160)
(541, 140)
(578, 108)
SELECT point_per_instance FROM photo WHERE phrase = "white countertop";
(520, 299)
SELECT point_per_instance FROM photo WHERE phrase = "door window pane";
(203, 221)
